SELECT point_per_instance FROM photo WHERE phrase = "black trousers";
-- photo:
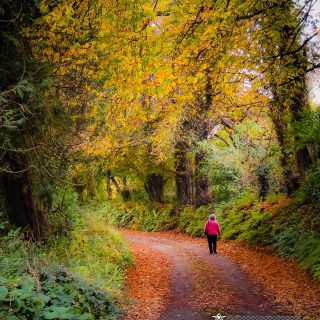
(212, 242)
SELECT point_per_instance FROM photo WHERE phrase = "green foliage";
(257, 228)
(119, 214)
(244, 219)
(307, 251)
(65, 200)
(59, 295)
(63, 216)
(306, 129)
(305, 247)
(289, 227)
(74, 275)
(310, 189)
(305, 133)
(141, 216)
(286, 241)
(12, 256)
(94, 250)
(222, 166)
(225, 181)
(155, 217)
(192, 221)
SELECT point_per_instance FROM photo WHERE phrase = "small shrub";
(94, 250)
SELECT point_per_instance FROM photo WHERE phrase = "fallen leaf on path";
(147, 284)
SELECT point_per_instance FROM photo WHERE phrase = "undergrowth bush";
(287, 226)
(12, 257)
(191, 221)
(244, 219)
(307, 252)
(57, 294)
(140, 216)
(94, 250)
(64, 216)
(156, 217)
(310, 189)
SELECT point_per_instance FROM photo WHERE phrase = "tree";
(155, 187)
(19, 117)
(142, 86)
(184, 176)
(286, 71)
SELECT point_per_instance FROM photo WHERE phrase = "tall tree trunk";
(202, 185)
(116, 184)
(155, 187)
(19, 201)
(299, 104)
(288, 84)
(291, 180)
(314, 152)
(304, 160)
(16, 65)
(91, 185)
(126, 194)
(184, 182)
(262, 173)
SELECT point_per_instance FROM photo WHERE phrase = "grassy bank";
(288, 226)
(77, 273)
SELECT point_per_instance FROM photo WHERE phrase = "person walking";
(212, 230)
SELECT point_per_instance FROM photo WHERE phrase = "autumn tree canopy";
(144, 94)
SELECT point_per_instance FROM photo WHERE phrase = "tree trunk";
(304, 161)
(19, 201)
(109, 189)
(278, 118)
(202, 186)
(184, 182)
(314, 152)
(288, 85)
(155, 187)
(262, 173)
(116, 184)
(300, 103)
(126, 194)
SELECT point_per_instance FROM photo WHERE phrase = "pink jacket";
(212, 228)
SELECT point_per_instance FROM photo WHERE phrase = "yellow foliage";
(138, 69)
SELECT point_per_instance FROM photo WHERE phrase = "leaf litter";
(293, 289)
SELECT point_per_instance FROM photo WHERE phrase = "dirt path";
(199, 285)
